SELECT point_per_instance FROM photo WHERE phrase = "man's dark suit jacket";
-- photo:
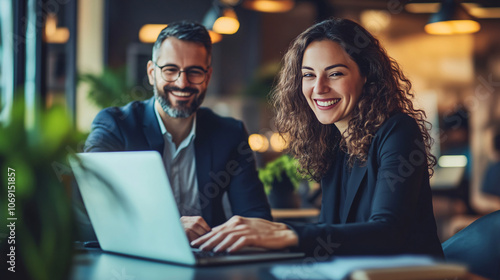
(224, 161)
(388, 202)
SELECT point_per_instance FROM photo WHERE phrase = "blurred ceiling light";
(221, 19)
(474, 9)
(422, 8)
(477, 11)
(480, 12)
(469, 6)
(51, 24)
(228, 23)
(230, 2)
(149, 32)
(452, 161)
(430, 8)
(258, 143)
(269, 6)
(278, 143)
(452, 18)
(54, 34)
(214, 36)
(375, 20)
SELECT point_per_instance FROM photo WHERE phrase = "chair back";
(477, 246)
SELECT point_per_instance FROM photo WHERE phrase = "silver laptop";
(133, 211)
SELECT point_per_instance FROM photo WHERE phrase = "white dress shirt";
(180, 165)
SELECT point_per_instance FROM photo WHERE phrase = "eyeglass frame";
(205, 71)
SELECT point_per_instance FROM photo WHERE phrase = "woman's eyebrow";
(328, 67)
(335, 66)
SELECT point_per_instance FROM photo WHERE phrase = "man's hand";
(194, 226)
(239, 232)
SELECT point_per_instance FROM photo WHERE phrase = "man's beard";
(182, 110)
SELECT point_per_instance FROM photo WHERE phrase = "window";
(6, 60)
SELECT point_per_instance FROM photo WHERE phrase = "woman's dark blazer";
(388, 204)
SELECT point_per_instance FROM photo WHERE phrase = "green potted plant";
(262, 82)
(35, 201)
(111, 88)
(281, 178)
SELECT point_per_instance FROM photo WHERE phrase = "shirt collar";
(164, 131)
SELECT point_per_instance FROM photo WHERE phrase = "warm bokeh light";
(228, 23)
(269, 6)
(215, 37)
(229, 2)
(452, 161)
(149, 32)
(479, 12)
(375, 21)
(51, 25)
(422, 8)
(258, 143)
(452, 27)
(278, 144)
(54, 34)
(473, 9)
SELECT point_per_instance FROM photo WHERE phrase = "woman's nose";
(321, 86)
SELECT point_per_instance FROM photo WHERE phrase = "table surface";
(95, 264)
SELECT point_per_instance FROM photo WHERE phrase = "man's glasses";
(195, 75)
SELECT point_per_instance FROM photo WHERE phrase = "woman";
(346, 109)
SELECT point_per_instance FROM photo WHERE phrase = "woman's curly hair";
(386, 91)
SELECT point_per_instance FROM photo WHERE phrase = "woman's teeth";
(327, 103)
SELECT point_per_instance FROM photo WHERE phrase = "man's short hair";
(186, 31)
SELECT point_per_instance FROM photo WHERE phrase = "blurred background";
(85, 55)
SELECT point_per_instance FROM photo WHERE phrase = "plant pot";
(283, 195)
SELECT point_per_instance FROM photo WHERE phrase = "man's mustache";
(186, 89)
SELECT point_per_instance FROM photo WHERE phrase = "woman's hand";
(239, 232)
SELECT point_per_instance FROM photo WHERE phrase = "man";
(204, 154)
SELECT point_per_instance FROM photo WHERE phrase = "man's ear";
(150, 70)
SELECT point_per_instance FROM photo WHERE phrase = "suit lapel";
(203, 154)
(357, 174)
(331, 194)
(152, 129)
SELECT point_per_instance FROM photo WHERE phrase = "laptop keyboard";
(210, 254)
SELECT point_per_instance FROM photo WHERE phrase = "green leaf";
(276, 168)
(110, 88)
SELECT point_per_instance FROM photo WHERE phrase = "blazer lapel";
(357, 174)
(331, 194)
(330, 197)
(203, 154)
(152, 129)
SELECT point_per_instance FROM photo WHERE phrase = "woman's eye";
(336, 74)
(307, 75)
